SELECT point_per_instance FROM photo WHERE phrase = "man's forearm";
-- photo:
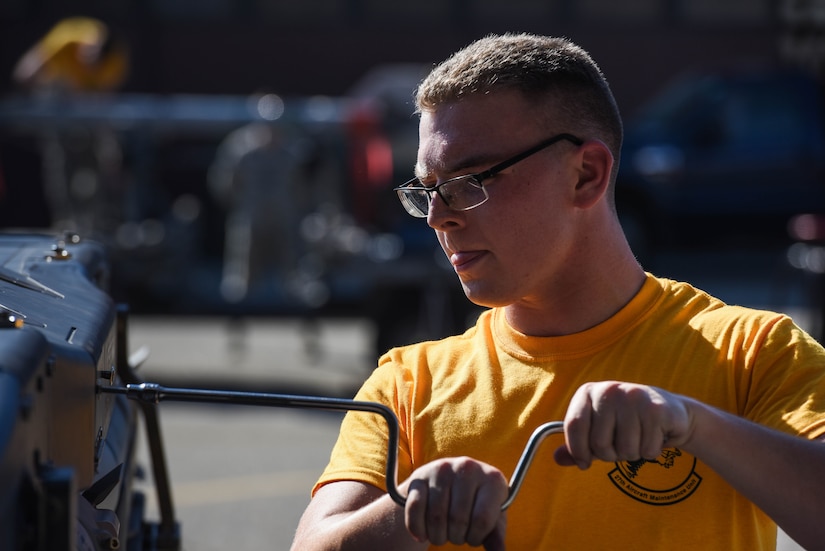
(782, 474)
(377, 525)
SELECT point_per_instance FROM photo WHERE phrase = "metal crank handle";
(538, 436)
(154, 393)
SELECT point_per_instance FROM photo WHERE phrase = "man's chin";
(480, 296)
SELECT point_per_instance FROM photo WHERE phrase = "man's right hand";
(457, 500)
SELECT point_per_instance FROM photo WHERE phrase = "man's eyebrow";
(464, 166)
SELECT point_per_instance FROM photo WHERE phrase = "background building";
(324, 46)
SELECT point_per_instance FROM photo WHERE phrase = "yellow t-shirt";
(482, 394)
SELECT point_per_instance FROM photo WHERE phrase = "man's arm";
(456, 500)
(782, 474)
(353, 515)
(29, 66)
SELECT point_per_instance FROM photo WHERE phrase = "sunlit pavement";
(241, 475)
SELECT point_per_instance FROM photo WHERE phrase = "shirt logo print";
(668, 479)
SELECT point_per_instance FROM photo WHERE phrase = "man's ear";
(595, 164)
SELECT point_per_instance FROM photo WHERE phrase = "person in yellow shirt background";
(78, 54)
(76, 61)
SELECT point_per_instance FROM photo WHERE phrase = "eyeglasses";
(464, 192)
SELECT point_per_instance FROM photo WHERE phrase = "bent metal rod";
(154, 393)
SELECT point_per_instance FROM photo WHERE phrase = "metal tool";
(151, 393)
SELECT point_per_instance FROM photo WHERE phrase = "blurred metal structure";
(301, 222)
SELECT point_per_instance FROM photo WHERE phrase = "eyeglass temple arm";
(492, 171)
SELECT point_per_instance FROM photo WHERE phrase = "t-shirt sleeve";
(360, 453)
(788, 381)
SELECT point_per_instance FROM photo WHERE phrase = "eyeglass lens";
(463, 193)
(460, 194)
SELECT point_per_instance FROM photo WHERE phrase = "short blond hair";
(540, 67)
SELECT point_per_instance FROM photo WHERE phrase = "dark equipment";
(69, 398)
(66, 452)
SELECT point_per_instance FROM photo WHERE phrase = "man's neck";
(584, 296)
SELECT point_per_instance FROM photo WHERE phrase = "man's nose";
(439, 214)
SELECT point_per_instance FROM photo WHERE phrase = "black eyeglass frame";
(476, 179)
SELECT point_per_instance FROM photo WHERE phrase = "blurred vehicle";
(723, 157)
(187, 236)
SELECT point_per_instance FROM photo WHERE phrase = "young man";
(693, 424)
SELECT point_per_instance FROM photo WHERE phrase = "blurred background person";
(254, 178)
(78, 54)
(77, 60)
